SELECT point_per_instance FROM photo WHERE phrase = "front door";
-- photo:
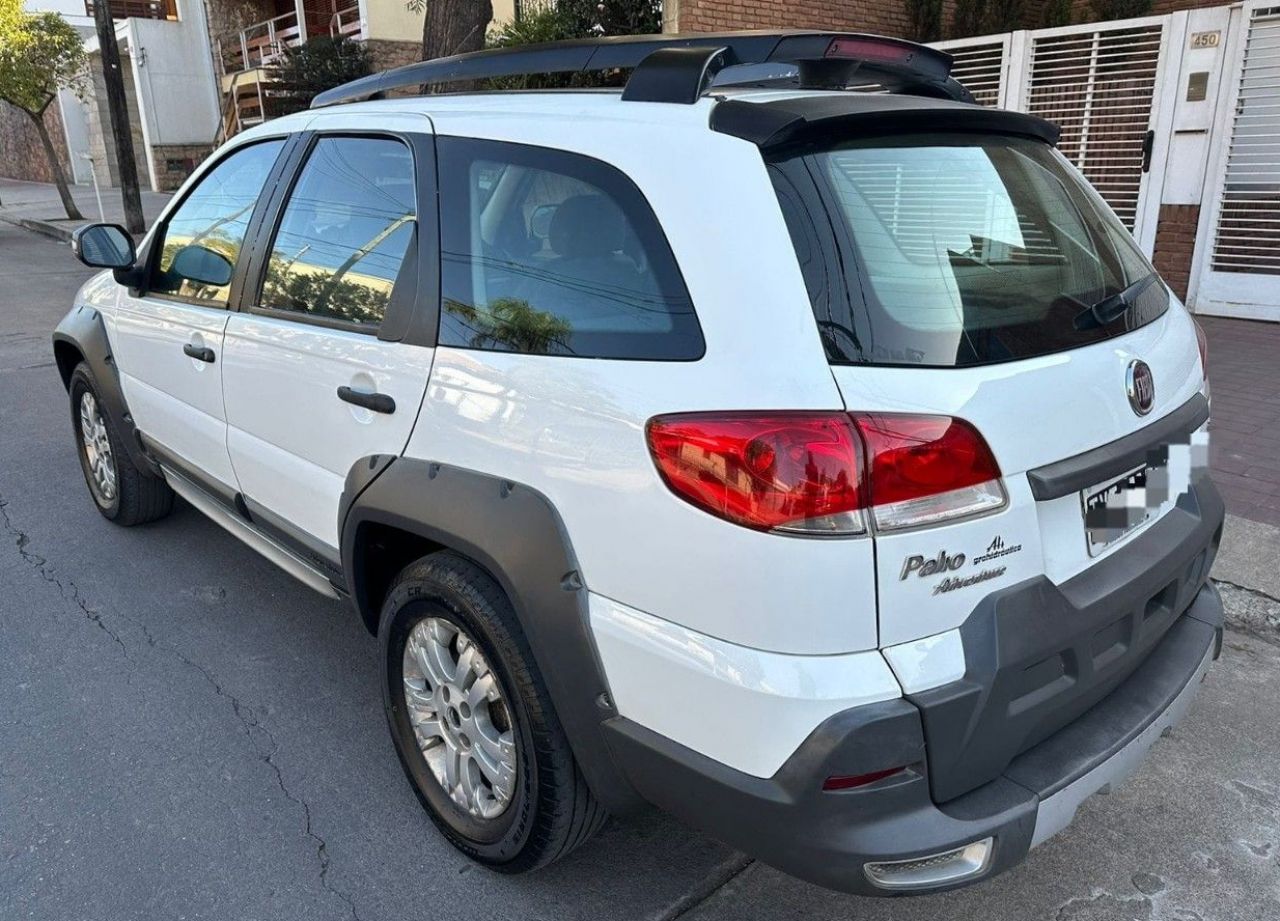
(169, 339)
(321, 365)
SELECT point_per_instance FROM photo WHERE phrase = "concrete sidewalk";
(37, 207)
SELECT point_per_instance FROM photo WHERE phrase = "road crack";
(244, 714)
(66, 587)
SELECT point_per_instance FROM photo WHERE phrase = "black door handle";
(378, 402)
(198, 352)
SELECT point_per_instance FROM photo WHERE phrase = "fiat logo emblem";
(1140, 386)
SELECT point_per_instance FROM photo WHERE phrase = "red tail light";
(927, 468)
(815, 473)
(772, 471)
(853, 781)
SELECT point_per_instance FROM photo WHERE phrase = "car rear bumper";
(990, 757)
(828, 838)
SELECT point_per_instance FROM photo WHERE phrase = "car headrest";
(586, 226)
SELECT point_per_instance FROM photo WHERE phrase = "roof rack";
(679, 68)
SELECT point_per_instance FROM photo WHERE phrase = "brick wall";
(886, 17)
(1175, 243)
(21, 153)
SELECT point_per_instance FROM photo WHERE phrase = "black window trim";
(150, 256)
(519, 151)
(413, 312)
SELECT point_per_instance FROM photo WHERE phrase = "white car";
(824, 467)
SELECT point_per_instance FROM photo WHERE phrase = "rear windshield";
(959, 249)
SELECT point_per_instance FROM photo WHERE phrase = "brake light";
(1203, 344)
(869, 49)
(817, 473)
(796, 472)
(926, 469)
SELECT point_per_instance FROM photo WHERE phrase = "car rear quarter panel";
(574, 428)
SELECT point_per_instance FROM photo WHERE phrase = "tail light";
(822, 473)
(1203, 343)
(927, 469)
(772, 471)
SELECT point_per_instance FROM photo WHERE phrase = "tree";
(306, 70)
(40, 53)
(452, 26)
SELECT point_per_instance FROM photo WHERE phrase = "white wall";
(175, 78)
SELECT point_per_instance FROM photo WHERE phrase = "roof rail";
(678, 68)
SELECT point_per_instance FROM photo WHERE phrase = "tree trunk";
(118, 111)
(59, 179)
(454, 27)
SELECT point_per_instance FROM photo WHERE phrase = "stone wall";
(385, 54)
(102, 145)
(22, 155)
(175, 162)
(1175, 244)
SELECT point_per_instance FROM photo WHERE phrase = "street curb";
(44, 228)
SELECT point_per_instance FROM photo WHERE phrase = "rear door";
(977, 277)
(329, 358)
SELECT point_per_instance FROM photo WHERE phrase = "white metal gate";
(1240, 269)
(1100, 84)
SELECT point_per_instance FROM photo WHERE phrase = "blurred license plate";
(1114, 510)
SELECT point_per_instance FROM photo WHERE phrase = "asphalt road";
(185, 732)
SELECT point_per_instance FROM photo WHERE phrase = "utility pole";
(118, 109)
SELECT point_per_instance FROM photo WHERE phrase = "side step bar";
(302, 571)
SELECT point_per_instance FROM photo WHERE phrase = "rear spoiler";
(679, 68)
(803, 119)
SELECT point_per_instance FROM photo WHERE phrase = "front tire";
(123, 493)
(473, 723)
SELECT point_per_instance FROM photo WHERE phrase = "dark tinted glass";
(959, 250)
(346, 228)
(212, 221)
(548, 252)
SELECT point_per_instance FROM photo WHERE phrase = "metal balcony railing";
(260, 44)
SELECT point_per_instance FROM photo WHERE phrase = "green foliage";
(565, 19)
(1056, 13)
(1104, 10)
(986, 17)
(1003, 16)
(511, 323)
(40, 53)
(968, 18)
(318, 65)
(924, 18)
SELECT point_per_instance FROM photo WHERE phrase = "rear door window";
(959, 250)
(553, 253)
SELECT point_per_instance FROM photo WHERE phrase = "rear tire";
(123, 493)
(437, 608)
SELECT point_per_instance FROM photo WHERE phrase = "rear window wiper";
(1112, 307)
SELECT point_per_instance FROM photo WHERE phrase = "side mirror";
(103, 246)
(203, 266)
